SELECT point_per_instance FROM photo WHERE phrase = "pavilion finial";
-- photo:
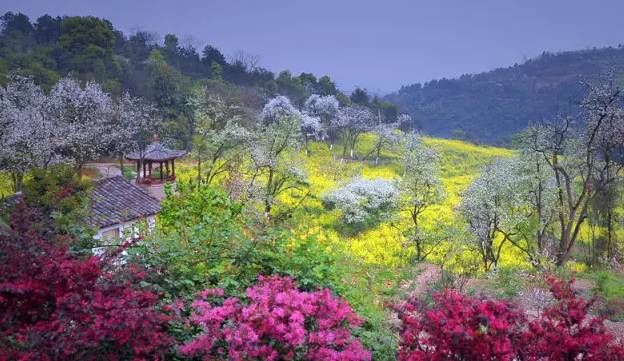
(154, 138)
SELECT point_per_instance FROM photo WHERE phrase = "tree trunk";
(199, 172)
(268, 203)
(18, 181)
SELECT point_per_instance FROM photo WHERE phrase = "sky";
(378, 45)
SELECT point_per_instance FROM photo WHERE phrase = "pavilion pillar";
(161, 171)
(167, 168)
(173, 168)
(144, 169)
(150, 169)
(138, 166)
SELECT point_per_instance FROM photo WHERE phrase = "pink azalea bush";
(275, 322)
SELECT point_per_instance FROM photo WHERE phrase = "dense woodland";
(490, 107)
(162, 71)
(303, 224)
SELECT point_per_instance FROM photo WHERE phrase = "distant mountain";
(490, 107)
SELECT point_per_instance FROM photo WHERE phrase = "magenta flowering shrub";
(566, 331)
(276, 321)
(457, 327)
(56, 306)
(460, 328)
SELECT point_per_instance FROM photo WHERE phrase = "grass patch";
(609, 284)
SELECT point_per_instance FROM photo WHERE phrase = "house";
(118, 206)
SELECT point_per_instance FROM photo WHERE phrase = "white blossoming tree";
(352, 122)
(85, 117)
(218, 139)
(135, 123)
(387, 135)
(278, 133)
(362, 201)
(325, 108)
(310, 129)
(578, 158)
(420, 188)
(491, 206)
(28, 134)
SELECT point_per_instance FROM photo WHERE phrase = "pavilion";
(156, 153)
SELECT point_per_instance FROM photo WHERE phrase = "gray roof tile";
(115, 200)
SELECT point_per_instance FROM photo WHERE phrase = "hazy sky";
(379, 45)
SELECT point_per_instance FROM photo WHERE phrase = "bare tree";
(248, 61)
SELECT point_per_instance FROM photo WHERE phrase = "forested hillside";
(163, 71)
(490, 107)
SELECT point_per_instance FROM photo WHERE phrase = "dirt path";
(105, 170)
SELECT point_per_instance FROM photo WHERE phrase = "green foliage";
(490, 107)
(608, 284)
(90, 48)
(508, 282)
(60, 194)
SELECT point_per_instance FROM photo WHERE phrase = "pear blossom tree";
(278, 131)
(310, 128)
(326, 109)
(537, 190)
(135, 123)
(84, 117)
(386, 135)
(490, 206)
(364, 200)
(28, 134)
(576, 160)
(352, 122)
(420, 187)
(218, 138)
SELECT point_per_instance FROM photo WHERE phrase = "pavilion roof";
(157, 152)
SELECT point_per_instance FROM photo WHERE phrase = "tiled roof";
(157, 152)
(115, 200)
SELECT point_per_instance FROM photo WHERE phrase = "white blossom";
(364, 200)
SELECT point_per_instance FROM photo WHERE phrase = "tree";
(420, 188)
(135, 123)
(386, 135)
(363, 201)
(490, 205)
(28, 133)
(218, 137)
(277, 321)
(360, 96)
(536, 187)
(88, 46)
(573, 155)
(211, 55)
(278, 132)
(352, 122)
(169, 92)
(310, 128)
(84, 117)
(199, 242)
(326, 109)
